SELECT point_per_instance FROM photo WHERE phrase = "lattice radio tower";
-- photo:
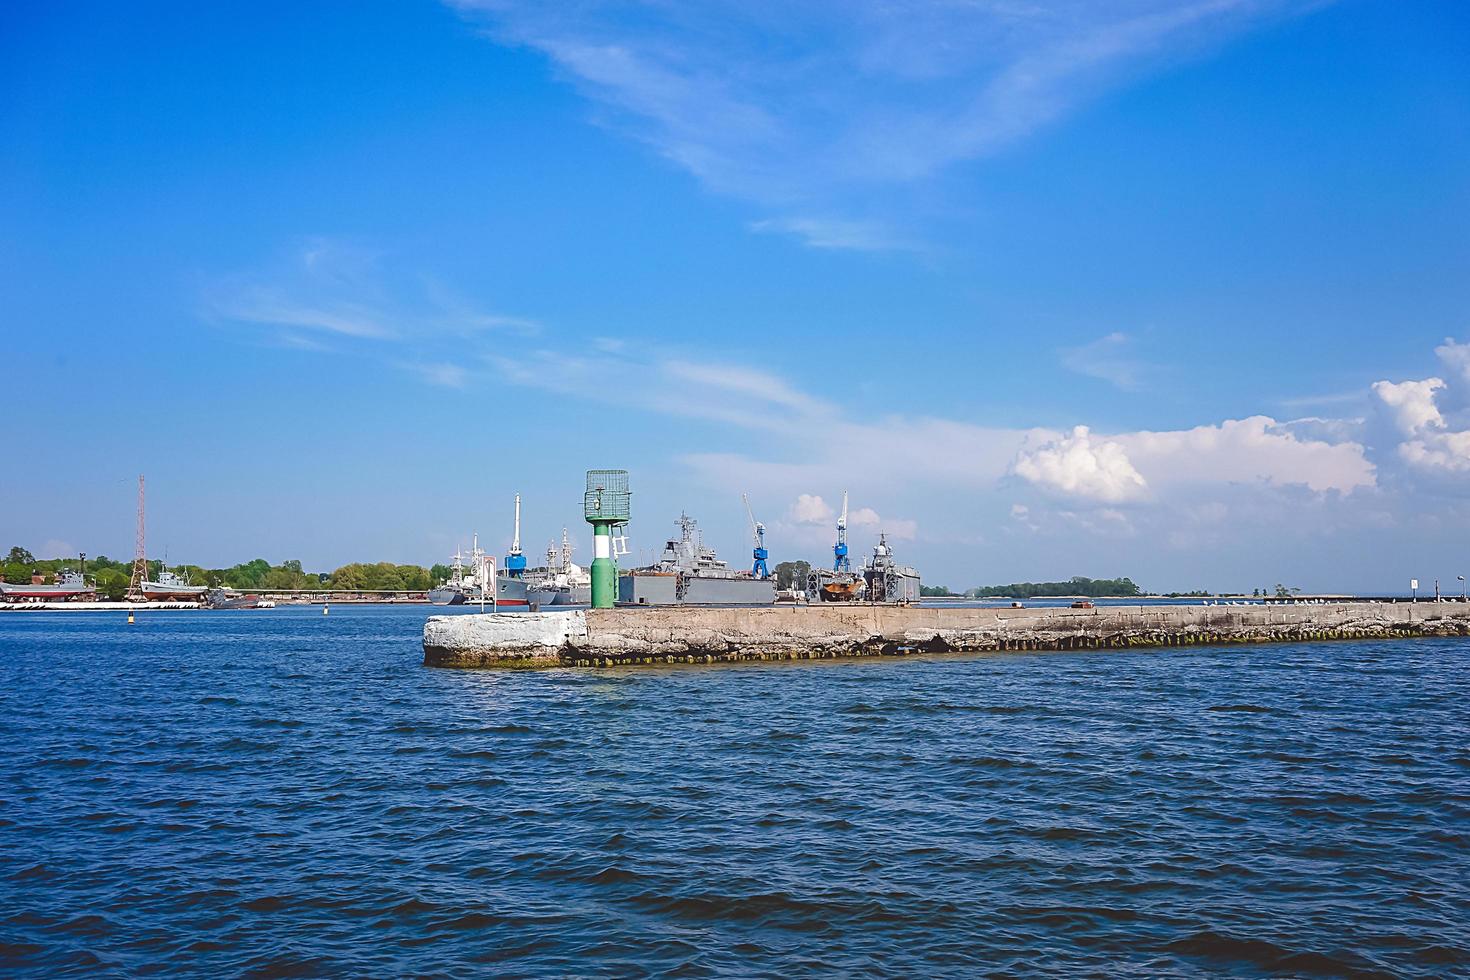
(140, 553)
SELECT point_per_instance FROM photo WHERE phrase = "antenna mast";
(140, 552)
(840, 561)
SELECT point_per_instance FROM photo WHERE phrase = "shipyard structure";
(688, 572)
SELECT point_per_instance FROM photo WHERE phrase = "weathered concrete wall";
(604, 637)
(501, 639)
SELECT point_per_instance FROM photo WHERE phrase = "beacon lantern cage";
(607, 508)
(607, 496)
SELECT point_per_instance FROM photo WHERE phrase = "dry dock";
(617, 637)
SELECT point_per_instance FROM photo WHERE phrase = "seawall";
(617, 637)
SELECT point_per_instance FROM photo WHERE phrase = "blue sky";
(342, 278)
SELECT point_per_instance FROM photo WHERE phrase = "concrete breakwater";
(617, 637)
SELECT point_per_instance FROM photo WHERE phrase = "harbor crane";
(758, 534)
(839, 550)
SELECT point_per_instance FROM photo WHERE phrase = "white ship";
(171, 587)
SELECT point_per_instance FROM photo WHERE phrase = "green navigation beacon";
(607, 511)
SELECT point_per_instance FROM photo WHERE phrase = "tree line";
(1093, 588)
(113, 576)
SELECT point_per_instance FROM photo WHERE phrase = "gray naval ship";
(689, 574)
(885, 580)
(562, 582)
(880, 579)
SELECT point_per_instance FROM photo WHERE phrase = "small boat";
(227, 599)
(842, 590)
(1082, 604)
(68, 585)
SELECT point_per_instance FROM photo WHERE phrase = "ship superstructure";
(884, 580)
(562, 582)
(689, 573)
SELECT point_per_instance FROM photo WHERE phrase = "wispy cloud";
(1109, 359)
(441, 375)
(809, 107)
(1357, 397)
(326, 287)
(860, 236)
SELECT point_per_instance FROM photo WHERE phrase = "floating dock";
(690, 635)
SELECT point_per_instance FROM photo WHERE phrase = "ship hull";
(577, 595)
(692, 590)
(42, 592)
(154, 592)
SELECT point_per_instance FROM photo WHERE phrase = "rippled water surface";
(278, 792)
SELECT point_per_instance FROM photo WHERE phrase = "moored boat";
(229, 599)
(171, 587)
(68, 585)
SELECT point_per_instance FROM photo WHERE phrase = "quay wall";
(616, 637)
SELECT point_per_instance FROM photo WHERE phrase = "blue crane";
(839, 550)
(758, 532)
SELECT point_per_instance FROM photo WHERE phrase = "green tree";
(1094, 588)
(113, 583)
(383, 576)
(18, 574)
(350, 577)
(414, 577)
(935, 590)
(440, 573)
(792, 574)
(19, 556)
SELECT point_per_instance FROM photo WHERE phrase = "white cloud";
(1079, 465)
(809, 508)
(1430, 416)
(1411, 403)
(898, 529)
(1255, 449)
(1448, 451)
(1456, 356)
